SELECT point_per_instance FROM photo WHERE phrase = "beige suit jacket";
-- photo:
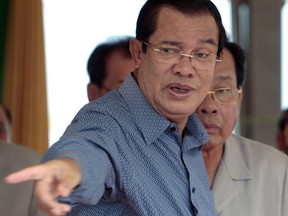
(16, 200)
(252, 180)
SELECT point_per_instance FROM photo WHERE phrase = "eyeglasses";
(225, 95)
(172, 55)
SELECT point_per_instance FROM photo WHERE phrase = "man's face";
(175, 90)
(118, 67)
(220, 119)
(5, 128)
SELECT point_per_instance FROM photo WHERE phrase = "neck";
(212, 158)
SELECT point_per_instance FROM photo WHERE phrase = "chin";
(214, 140)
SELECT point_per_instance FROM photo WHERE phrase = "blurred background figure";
(282, 132)
(17, 199)
(5, 124)
(108, 66)
(243, 173)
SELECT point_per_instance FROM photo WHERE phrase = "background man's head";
(282, 132)
(5, 124)
(108, 66)
(220, 110)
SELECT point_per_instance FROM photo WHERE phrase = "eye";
(169, 50)
(201, 55)
(222, 91)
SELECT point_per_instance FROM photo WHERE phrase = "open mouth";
(179, 90)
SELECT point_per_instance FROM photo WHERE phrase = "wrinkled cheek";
(145, 82)
(206, 80)
(209, 78)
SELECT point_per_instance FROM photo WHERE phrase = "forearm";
(95, 166)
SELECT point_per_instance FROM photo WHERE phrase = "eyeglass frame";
(233, 90)
(217, 59)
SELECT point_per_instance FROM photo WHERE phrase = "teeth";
(179, 90)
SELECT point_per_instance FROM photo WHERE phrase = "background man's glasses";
(172, 55)
(225, 95)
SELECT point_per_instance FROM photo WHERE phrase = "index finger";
(30, 173)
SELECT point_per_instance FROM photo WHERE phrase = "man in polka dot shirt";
(137, 150)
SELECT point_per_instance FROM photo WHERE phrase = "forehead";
(225, 71)
(172, 24)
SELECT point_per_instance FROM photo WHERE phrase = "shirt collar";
(142, 111)
(197, 132)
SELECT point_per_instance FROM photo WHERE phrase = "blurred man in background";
(19, 199)
(5, 124)
(108, 66)
(282, 132)
(246, 177)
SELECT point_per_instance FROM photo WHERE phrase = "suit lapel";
(231, 170)
(223, 188)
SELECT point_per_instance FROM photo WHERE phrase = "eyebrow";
(224, 78)
(179, 43)
(173, 43)
(208, 41)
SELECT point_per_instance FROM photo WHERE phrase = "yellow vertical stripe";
(25, 80)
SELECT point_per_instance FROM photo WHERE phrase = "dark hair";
(283, 120)
(97, 61)
(7, 112)
(147, 19)
(239, 57)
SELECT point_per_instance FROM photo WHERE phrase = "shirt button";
(193, 190)
(172, 129)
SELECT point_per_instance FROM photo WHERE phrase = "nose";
(208, 106)
(184, 67)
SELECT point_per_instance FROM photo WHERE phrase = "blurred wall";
(257, 28)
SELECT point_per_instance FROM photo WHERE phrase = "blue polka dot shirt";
(133, 160)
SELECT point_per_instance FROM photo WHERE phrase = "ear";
(93, 92)
(136, 51)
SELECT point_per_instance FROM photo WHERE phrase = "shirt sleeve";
(96, 166)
